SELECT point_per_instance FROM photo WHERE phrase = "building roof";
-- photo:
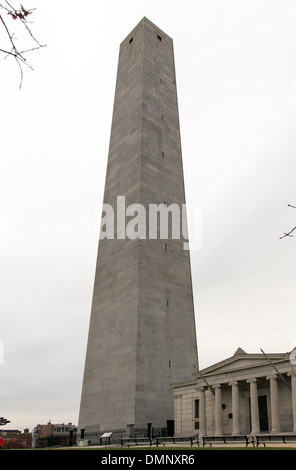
(243, 365)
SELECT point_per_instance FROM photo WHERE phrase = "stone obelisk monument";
(142, 328)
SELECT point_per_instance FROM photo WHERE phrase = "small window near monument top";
(131, 40)
(159, 37)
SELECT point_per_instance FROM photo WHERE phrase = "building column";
(202, 411)
(178, 414)
(255, 423)
(218, 410)
(235, 408)
(274, 401)
(293, 386)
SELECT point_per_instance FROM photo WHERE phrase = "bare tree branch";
(289, 233)
(20, 15)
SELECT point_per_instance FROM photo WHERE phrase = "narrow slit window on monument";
(162, 154)
(166, 246)
(167, 302)
(159, 37)
(131, 40)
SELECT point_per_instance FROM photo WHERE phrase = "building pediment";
(242, 361)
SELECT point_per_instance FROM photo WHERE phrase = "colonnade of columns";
(292, 374)
(255, 421)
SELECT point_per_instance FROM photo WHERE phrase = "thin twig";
(8, 33)
(289, 233)
(18, 14)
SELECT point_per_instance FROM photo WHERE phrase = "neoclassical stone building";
(246, 393)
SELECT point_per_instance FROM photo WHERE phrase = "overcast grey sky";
(236, 81)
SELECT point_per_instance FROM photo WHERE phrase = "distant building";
(245, 393)
(44, 429)
(9, 432)
(63, 429)
(48, 435)
(15, 439)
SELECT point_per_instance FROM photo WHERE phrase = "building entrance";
(263, 414)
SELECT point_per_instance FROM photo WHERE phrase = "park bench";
(176, 440)
(135, 441)
(227, 439)
(282, 438)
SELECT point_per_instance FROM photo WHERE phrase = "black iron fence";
(116, 436)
